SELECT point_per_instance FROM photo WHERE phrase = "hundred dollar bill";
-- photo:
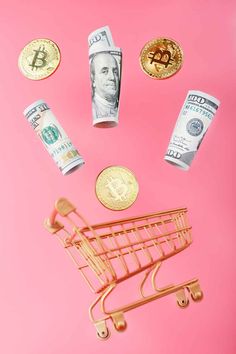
(194, 119)
(99, 39)
(53, 137)
(105, 71)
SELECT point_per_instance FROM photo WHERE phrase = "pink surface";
(44, 302)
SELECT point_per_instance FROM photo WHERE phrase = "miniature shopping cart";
(107, 254)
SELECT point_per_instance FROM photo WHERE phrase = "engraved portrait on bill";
(105, 72)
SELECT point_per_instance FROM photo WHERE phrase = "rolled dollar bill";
(53, 137)
(100, 39)
(105, 71)
(194, 119)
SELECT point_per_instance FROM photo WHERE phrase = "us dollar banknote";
(105, 62)
(100, 39)
(192, 124)
(53, 136)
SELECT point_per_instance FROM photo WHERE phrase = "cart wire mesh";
(111, 252)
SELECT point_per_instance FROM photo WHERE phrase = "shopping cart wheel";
(104, 335)
(182, 300)
(103, 332)
(120, 326)
(119, 321)
(195, 291)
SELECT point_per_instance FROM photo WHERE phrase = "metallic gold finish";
(108, 253)
(182, 300)
(53, 228)
(161, 58)
(63, 207)
(195, 291)
(103, 332)
(119, 321)
(39, 59)
(116, 187)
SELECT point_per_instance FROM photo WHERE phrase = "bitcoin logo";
(161, 58)
(116, 187)
(39, 59)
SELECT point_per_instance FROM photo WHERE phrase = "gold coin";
(39, 59)
(161, 58)
(116, 187)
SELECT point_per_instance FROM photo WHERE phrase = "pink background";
(44, 301)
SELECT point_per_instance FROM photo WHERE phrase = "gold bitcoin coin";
(161, 58)
(116, 187)
(39, 59)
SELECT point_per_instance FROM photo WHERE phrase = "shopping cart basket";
(109, 253)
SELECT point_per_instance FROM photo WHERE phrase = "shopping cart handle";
(62, 207)
(53, 229)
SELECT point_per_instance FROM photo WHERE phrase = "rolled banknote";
(53, 137)
(105, 71)
(194, 119)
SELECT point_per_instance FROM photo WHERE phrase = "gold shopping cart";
(109, 253)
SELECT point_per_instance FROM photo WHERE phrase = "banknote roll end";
(73, 166)
(33, 105)
(109, 124)
(174, 162)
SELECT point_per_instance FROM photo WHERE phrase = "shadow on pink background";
(44, 301)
